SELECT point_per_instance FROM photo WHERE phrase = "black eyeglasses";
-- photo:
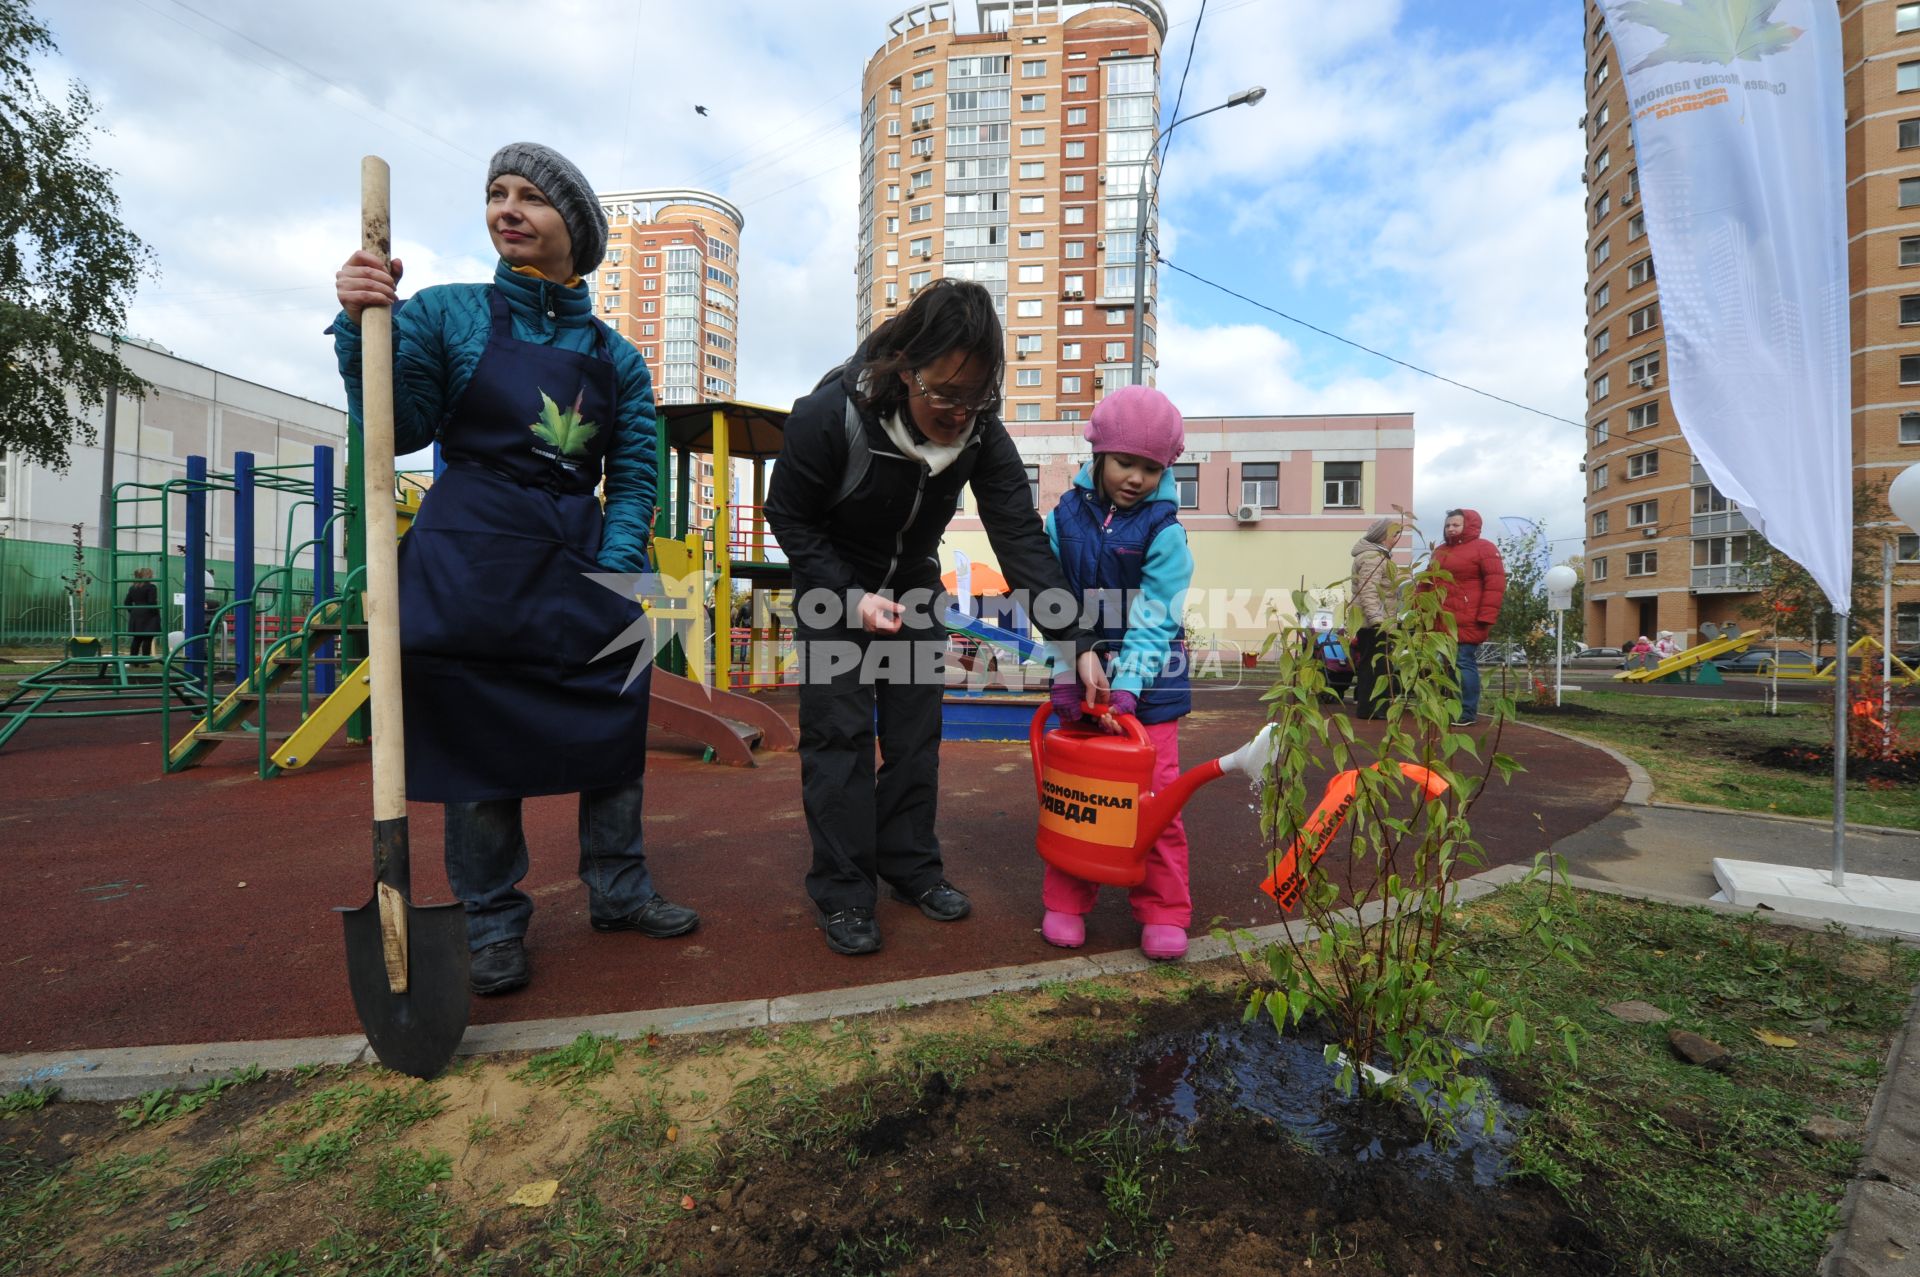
(941, 403)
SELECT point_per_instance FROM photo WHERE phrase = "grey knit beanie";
(1378, 532)
(566, 188)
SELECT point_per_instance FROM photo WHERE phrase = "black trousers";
(868, 828)
(1372, 679)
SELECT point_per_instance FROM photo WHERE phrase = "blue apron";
(498, 623)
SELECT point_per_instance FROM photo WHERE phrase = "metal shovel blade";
(414, 1031)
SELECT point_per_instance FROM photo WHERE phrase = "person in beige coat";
(1370, 589)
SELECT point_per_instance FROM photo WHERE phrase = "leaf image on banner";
(1718, 31)
(563, 429)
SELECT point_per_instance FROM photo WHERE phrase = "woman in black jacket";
(869, 476)
(143, 612)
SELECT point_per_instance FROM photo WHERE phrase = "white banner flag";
(1738, 130)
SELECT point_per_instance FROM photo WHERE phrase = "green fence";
(39, 609)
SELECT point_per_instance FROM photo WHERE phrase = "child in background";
(1117, 532)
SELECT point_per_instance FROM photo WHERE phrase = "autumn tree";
(1791, 602)
(68, 265)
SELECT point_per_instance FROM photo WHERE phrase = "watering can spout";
(1249, 760)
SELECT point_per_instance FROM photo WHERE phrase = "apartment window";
(1260, 484)
(920, 181)
(1642, 464)
(1070, 385)
(1118, 314)
(920, 213)
(1640, 272)
(1908, 77)
(1910, 427)
(647, 330)
(1643, 562)
(1074, 249)
(923, 114)
(893, 94)
(893, 226)
(1601, 73)
(1033, 476)
(893, 194)
(893, 127)
(1186, 484)
(1906, 623)
(1601, 207)
(1116, 350)
(1641, 514)
(1342, 484)
(1033, 101)
(1602, 386)
(1601, 341)
(1602, 162)
(649, 262)
(1602, 117)
(609, 303)
(1597, 569)
(923, 78)
(1033, 239)
(646, 352)
(649, 285)
(1069, 350)
(1643, 371)
(1033, 137)
(1906, 17)
(1076, 115)
(1032, 274)
(1071, 317)
(893, 293)
(1034, 70)
(1910, 370)
(1907, 548)
(1033, 203)
(918, 280)
(1601, 297)
(1910, 250)
(893, 159)
(1602, 251)
(1909, 134)
(1032, 169)
(921, 247)
(1599, 478)
(1719, 552)
(1600, 432)
(1600, 520)
(1073, 284)
(1076, 84)
(1026, 377)
(1641, 320)
(922, 147)
(1909, 191)
(647, 308)
(1636, 226)
(1027, 344)
(1910, 310)
(1076, 182)
(1027, 309)
(1076, 150)
(1708, 499)
(1646, 414)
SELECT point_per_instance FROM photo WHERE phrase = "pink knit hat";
(1139, 421)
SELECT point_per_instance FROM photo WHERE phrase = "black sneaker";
(500, 967)
(1465, 722)
(943, 902)
(658, 918)
(850, 931)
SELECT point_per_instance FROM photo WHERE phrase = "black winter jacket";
(886, 534)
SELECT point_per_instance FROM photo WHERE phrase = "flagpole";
(1840, 752)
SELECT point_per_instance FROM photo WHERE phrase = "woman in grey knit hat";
(544, 420)
(1370, 590)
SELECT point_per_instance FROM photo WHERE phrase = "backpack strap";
(859, 455)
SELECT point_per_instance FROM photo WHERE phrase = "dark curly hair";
(947, 315)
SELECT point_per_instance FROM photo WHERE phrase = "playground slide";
(728, 723)
(1693, 656)
(1021, 645)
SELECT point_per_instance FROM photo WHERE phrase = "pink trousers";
(1163, 898)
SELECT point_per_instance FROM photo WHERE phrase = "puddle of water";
(1247, 1068)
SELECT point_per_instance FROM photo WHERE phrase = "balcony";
(1730, 578)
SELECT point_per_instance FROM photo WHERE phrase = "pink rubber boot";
(1163, 943)
(1068, 930)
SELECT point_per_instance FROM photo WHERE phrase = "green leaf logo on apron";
(563, 428)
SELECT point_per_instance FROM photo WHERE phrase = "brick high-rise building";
(670, 284)
(1013, 155)
(1664, 549)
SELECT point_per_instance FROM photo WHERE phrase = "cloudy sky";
(1411, 182)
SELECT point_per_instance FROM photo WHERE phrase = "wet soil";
(1194, 1147)
(1566, 709)
(1817, 760)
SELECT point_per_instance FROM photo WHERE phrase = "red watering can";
(1097, 818)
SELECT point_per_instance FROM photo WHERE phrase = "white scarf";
(934, 456)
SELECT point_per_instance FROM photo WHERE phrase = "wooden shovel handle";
(383, 547)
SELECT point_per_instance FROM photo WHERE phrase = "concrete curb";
(1639, 783)
(1880, 1214)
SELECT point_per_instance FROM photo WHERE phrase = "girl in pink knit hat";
(1118, 535)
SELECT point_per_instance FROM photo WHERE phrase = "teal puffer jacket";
(439, 335)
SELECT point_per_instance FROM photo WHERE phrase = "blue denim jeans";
(487, 858)
(1468, 664)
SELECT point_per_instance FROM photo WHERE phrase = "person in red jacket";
(1473, 598)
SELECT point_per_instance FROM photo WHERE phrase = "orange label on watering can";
(1089, 808)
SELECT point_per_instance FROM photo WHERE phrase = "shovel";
(406, 964)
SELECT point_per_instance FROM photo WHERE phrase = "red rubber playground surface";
(147, 909)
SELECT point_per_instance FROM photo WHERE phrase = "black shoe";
(659, 918)
(850, 931)
(1465, 722)
(500, 967)
(943, 902)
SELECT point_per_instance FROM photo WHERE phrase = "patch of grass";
(392, 1111)
(1703, 1169)
(319, 1156)
(1697, 751)
(231, 1170)
(156, 1107)
(28, 1099)
(587, 1057)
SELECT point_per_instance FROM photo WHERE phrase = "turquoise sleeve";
(631, 464)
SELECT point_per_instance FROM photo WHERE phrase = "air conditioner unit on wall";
(1626, 199)
(1650, 532)
(1247, 513)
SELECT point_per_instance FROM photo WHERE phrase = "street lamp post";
(1246, 97)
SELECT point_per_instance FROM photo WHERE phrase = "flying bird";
(699, 110)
